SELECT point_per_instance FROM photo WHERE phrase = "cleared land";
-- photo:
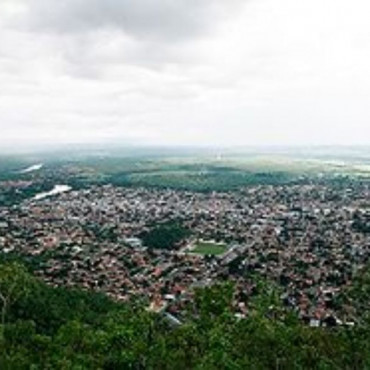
(209, 248)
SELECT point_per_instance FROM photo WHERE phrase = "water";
(35, 167)
(58, 189)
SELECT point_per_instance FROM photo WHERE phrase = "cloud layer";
(143, 19)
(185, 72)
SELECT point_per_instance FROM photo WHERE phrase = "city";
(309, 239)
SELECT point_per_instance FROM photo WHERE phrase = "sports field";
(209, 248)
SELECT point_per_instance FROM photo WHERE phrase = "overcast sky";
(169, 72)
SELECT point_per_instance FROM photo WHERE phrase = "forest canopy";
(60, 328)
(165, 236)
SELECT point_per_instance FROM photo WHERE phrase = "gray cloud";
(164, 20)
(185, 71)
(91, 35)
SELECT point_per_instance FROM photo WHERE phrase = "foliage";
(15, 283)
(165, 236)
(207, 179)
(55, 328)
(356, 298)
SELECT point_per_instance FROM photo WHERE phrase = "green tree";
(165, 236)
(15, 282)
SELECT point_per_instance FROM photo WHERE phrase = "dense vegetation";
(57, 328)
(131, 173)
(165, 236)
(204, 178)
(202, 174)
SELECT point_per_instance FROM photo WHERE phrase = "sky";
(184, 72)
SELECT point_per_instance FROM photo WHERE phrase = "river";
(58, 189)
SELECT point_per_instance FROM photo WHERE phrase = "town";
(309, 239)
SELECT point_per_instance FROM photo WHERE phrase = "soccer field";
(209, 248)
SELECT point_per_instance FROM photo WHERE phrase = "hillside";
(58, 328)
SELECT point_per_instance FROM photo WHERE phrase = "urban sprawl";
(310, 239)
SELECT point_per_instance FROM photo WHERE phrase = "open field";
(209, 248)
(199, 171)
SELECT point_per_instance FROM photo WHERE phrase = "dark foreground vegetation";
(56, 328)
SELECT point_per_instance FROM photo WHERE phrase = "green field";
(209, 248)
(198, 171)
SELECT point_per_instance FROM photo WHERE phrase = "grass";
(209, 248)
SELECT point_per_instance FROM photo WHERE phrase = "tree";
(165, 236)
(15, 282)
